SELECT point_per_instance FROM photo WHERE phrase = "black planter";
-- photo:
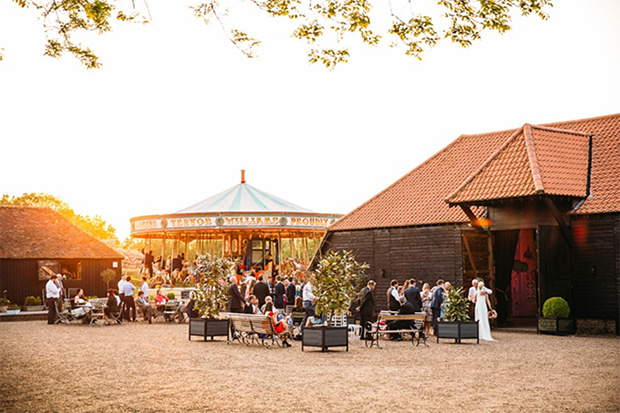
(457, 330)
(325, 337)
(557, 326)
(208, 327)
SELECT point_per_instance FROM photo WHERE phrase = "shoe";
(287, 344)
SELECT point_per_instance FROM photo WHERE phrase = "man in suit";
(261, 290)
(405, 308)
(279, 292)
(236, 303)
(437, 302)
(392, 296)
(367, 306)
(412, 294)
(291, 290)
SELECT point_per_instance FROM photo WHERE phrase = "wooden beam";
(559, 219)
(472, 217)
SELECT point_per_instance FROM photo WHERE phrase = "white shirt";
(394, 293)
(472, 293)
(51, 290)
(145, 288)
(307, 292)
(128, 288)
(120, 284)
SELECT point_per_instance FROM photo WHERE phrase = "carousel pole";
(293, 252)
(280, 249)
(186, 247)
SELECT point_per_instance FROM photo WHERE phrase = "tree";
(456, 305)
(107, 276)
(335, 280)
(211, 296)
(325, 25)
(95, 226)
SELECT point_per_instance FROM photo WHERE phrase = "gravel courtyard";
(142, 367)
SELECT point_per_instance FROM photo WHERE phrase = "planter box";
(457, 330)
(325, 337)
(557, 326)
(208, 327)
(12, 312)
(3, 308)
(35, 308)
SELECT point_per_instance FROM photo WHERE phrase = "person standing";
(412, 294)
(144, 287)
(392, 296)
(261, 290)
(427, 298)
(236, 303)
(437, 303)
(308, 300)
(130, 304)
(279, 292)
(291, 290)
(482, 312)
(52, 295)
(148, 263)
(61, 288)
(367, 307)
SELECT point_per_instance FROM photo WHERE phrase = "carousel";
(243, 223)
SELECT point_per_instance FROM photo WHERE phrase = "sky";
(176, 111)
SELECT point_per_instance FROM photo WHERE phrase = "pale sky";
(177, 111)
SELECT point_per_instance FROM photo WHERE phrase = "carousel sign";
(232, 221)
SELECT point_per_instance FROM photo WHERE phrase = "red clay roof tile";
(418, 197)
(33, 232)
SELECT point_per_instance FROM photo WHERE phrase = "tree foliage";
(327, 26)
(95, 225)
(335, 280)
(107, 276)
(456, 305)
(211, 296)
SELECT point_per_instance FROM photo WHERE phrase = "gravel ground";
(142, 367)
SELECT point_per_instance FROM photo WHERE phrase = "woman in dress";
(279, 325)
(481, 312)
(427, 299)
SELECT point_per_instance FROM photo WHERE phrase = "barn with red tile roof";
(533, 211)
(34, 242)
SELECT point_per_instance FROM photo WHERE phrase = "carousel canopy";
(240, 208)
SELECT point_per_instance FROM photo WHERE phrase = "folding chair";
(65, 316)
(117, 316)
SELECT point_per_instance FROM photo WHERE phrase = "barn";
(534, 211)
(34, 242)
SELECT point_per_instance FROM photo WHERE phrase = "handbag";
(492, 314)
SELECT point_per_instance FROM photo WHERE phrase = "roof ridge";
(533, 158)
(377, 195)
(559, 130)
(584, 119)
(484, 164)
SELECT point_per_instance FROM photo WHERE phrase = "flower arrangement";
(211, 294)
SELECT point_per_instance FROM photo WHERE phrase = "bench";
(416, 331)
(246, 329)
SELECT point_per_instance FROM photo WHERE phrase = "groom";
(437, 303)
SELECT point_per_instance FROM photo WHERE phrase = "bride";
(481, 299)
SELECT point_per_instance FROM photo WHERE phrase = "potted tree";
(33, 304)
(456, 323)
(555, 317)
(107, 276)
(211, 297)
(334, 282)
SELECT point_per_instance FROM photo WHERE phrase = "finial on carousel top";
(243, 176)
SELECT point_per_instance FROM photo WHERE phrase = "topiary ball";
(171, 295)
(556, 307)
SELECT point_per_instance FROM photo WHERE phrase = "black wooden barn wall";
(20, 278)
(595, 266)
(425, 253)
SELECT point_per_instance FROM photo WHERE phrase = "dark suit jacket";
(412, 294)
(406, 308)
(367, 303)
(177, 263)
(112, 305)
(279, 292)
(261, 290)
(437, 298)
(235, 299)
(290, 294)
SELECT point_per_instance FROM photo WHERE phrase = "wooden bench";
(246, 329)
(416, 331)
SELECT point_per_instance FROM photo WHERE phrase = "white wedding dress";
(482, 317)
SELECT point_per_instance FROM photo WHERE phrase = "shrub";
(335, 279)
(556, 307)
(456, 305)
(32, 301)
(170, 295)
(14, 307)
(211, 296)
